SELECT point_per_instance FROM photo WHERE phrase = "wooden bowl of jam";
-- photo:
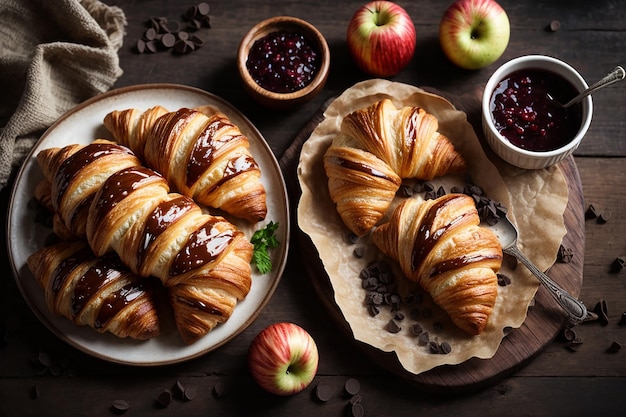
(283, 62)
(521, 120)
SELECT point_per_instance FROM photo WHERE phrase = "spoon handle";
(616, 74)
(575, 309)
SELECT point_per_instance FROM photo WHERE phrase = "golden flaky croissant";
(97, 292)
(200, 152)
(154, 232)
(377, 147)
(440, 245)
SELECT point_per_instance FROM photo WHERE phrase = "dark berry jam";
(524, 114)
(283, 62)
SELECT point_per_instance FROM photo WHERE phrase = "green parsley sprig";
(264, 240)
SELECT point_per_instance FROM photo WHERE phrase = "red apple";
(283, 358)
(381, 38)
(474, 33)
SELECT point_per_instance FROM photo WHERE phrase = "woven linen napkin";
(53, 55)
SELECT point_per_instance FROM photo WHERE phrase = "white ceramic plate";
(83, 124)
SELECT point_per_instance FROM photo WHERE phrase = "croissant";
(440, 245)
(155, 232)
(376, 149)
(96, 292)
(200, 152)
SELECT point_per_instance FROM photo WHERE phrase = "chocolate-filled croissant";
(200, 152)
(376, 149)
(153, 231)
(440, 245)
(97, 292)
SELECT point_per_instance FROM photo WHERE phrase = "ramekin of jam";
(521, 120)
(283, 62)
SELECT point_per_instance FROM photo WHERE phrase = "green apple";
(474, 33)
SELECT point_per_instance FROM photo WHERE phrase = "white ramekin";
(521, 157)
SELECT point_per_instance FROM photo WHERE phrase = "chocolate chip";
(406, 191)
(355, 399)
(564, 254)
(423, 339)
(168, 40)
(614, 348)
(591, 212)
(183, 47)
(622, 320)
(617, 265)
(604, 218)
(352, 386)
(359, 251)
(120, 406)
(352, 238)
(433, 347)
(357, 410)
(179, 389)
(392, 326)
(416, 329)
(573, 345)
(602, 311)
(190, 392)
(569, 334)
(503, 280)
(323, 392)
(164, 398)
(554, 26)
(219, 390)
(445, 348)
(203, 9)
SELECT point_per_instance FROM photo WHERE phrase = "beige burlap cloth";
(53, 55)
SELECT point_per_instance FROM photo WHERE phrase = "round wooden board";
(544, 320)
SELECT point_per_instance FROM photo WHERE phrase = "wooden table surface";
(556, 382)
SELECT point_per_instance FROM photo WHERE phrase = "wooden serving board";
(543, 323)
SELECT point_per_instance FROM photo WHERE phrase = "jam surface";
(282, 62)
(524, 114)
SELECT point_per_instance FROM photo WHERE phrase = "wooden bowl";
(292, 25)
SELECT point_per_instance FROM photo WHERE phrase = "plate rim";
(280, 263)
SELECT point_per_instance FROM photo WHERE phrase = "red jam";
(283, 62)
(524, 114)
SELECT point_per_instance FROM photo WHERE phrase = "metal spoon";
(615, 75)
(507, 234)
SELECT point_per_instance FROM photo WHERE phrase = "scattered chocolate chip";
(323, 392)
(569, 334)
(393, 327)
(554, 26)
(604, 218)
(373, 310)
(423, 339)
(398, 316)
(440, 192)
(203, 9)
(359, 251)
(503, 280)
(416, 329)
(357, 410)
(352, 386)
(622, 319)
(564, 254)
(433, 347)
(141, 46)
(591, 212)
(164, 398)
(591, 316)
(190, 392)
(353, 238)
(614, 348)
(445, 348)
(355, 399)
(511, 261)
(179, 389)
(219, 390)
(617, 265)
(406, 191)
(120, 406)
(602, 311)
(168, 40)
(573, 345)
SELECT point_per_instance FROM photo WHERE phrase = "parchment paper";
(536, 201)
